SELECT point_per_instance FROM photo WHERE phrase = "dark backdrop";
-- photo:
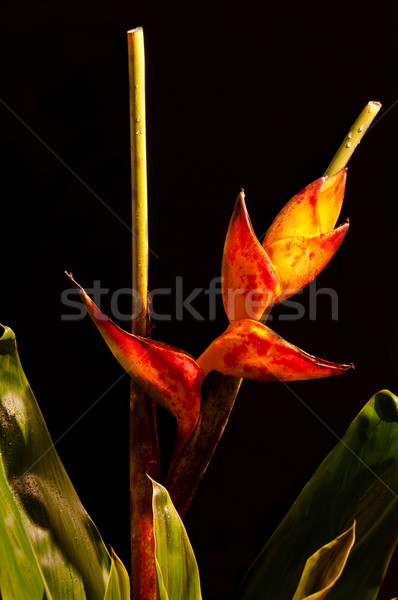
(240, 94)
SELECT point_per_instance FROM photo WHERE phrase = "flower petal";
(169, 375)
(249, 280)
(250, 349)
(299, 216)
(300, 259)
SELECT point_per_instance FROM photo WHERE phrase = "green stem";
(139, 190)
(144, 458)
(353, 138)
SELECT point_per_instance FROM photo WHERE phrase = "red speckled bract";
(250, 281)
(169, 375)
(300, 259)
(250, 349)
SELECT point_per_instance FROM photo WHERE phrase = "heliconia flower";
(168, 375)
(298, 245)
(251, 350)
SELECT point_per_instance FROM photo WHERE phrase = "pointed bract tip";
(79, 287)
(339, 174)
(334, 366)
(70, 276)
(340, 367)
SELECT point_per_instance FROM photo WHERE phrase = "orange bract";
(300, 259)
(250, 282)
(312, 211)
(251, 350)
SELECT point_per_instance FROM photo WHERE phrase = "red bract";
(249, 279)
(251, 350)
(169, 375)
(298, 245)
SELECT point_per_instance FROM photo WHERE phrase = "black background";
(239, 94)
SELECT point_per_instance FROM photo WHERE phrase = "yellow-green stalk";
(353, 138)
(144, 459)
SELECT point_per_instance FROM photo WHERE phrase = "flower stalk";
(186, 475)
(353, 138)
(144, 456)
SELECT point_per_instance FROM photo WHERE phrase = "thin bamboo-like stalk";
(143, 445)
(353, 138)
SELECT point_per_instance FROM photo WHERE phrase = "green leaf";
(358, 481)
(118, 587)
(49, 547)
(176, 567)
(324, 568)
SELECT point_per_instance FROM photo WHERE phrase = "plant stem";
(195, 457)
(144, 458)
(353, 137)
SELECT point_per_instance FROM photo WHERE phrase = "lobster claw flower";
(251, 350)
(168, 375)
(297, 246)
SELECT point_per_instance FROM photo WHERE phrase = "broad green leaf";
(49, 547)
(118, 587)
(358, 481)
(176, 567)
(324, 568)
